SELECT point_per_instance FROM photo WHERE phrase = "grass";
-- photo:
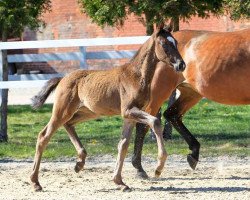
(220, 129)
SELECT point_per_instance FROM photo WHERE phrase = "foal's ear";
(160, 26)
(169, 27)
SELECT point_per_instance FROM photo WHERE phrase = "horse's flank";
(219, 66)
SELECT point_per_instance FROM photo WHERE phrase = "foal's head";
(166, 49)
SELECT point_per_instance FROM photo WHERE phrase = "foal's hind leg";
(81, 151)
(83, 115)
(188, 97)
(42, 141)
(62, 112)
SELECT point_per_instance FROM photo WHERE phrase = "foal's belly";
(101, 96)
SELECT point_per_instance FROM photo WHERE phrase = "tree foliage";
(237, 9)
(114, 12)
(15, 15)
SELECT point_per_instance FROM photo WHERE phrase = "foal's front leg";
(154, 123)
(122, 151)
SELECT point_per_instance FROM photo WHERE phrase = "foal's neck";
(144, 63)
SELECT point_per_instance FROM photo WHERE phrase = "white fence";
(37, 80)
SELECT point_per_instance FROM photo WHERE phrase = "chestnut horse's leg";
(122, 151)
(187, 99)
(141, 130)
(167, 130)
(153, 123)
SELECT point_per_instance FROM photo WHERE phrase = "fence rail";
(24, 81)
(73, 43)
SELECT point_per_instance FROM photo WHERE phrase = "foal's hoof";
(142, 175)
(192, 161)
(79, 166)
(37, 187)
(157, 173)
(125, 188)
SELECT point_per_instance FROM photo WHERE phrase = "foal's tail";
(39, 99)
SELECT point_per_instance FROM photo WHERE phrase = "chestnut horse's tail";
(39, 99)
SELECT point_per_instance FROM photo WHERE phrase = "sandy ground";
(214, 178)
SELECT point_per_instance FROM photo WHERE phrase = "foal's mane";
(143, 51)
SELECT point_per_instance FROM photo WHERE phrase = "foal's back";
(99, 90)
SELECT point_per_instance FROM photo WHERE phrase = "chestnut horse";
(83, 95)
(218, 68)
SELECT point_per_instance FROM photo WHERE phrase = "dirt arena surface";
(215, 178)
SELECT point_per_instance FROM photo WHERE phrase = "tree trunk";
(175, 23)
(4, 105)
(149, 26)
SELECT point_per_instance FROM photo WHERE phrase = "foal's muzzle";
(179, 66)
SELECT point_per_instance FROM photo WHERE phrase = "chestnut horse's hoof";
(142, 175)
(192, 161)
(157, 174)
(79, 166)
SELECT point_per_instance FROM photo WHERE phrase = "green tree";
(15, 15)
(114, 12)
(237, 9)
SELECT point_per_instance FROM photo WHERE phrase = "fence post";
(1, 73)
(4, 96)
(83, 59)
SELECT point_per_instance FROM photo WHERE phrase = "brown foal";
(84, 95)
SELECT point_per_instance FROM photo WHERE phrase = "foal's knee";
(156, 125)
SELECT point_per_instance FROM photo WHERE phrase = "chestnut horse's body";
(218, 68)
(84, 95)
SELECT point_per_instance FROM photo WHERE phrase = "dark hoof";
(142, 175)
(79, 166)
(192, 161)
(167, 137)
